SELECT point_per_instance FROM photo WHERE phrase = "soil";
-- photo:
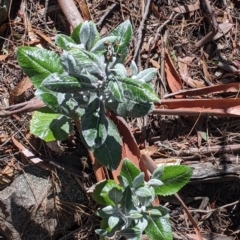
(180, 26)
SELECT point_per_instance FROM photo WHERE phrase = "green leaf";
(124, 34)
(143, 192)
(85, 32)
(95, 124)
(153, 212)
(76, 34)
(123, 181)
(43, 124)
(155, 182)
(62, 83)
(133, 68)
(119, 70)
(94, 36)
(141, 224)
(100, 45)
(136, 100)
(173, 178)
(65, 42)
(129, 233)
(115, 195)
(100, 193)
(66, 103)
(109, 153)
(126, 201)
(158, 228)
(129, 171)
(38, 63)
(135, 215)
(157, 174)
(138, 180)
(108, 211)
(146, 75)
(113, 221)
(61, 127)
(145, 195)
(77, 62)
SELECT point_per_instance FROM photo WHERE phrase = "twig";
(108, 11)
(140, 29)
(29, 106)
(214, 210)
(71, 12)
(164, 44)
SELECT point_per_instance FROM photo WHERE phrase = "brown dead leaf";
(3, 28)
(7, 174)
(183, 69)
(155, 63)
(150, 150)
(4, 137)
(194, 107)
(155, 11)
(3, 57)
(173, 79)
(21, 87)
(205, 71)
(216, 89)
(187, 8)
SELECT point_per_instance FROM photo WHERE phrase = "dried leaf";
(224, 29)
(7, 174)
(155, 11)
(173, 79)
(84, 10)
(195, 107)
(222, 88)
(21, 87)
(183, 69)
(3, 57)
(155, 63)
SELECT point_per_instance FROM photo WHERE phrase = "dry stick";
(164, 44)
(209, 8)
(210, 35)
(45, 14)
(140, 29)
(151, 166)
(71, 12)
(108, 11)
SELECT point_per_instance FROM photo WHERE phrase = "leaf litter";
(198, 82)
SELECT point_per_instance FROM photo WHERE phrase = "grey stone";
(35, 207)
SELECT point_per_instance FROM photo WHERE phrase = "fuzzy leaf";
(109, 153)
(95, 124)
(129, 171)
(65, 42)
(85, 32)
(76, 34)
(38, 63)
(146, 75)
(124, 34)
(138, 181)
(126, 201)
(115, 195)
(62, 83)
